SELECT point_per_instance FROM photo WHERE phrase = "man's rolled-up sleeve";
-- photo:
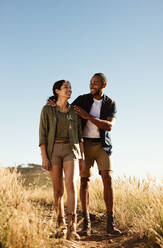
(112, 110)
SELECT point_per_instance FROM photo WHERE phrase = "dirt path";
(99, 238)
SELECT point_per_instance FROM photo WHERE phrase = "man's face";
(96, 86)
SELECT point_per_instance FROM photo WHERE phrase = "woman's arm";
(43, 132)
(45, 160)
(44, 127)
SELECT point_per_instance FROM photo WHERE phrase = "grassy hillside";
(27, 218)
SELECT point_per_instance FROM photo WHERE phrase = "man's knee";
(107, 178)
(84, 183)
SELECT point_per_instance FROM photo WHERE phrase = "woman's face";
(65, 90)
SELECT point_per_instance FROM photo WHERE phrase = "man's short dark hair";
(102, 76)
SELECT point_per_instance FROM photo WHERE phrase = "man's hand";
(103, 124)
(51, 103)
(46, 164)
(81, 112)
(82, 166)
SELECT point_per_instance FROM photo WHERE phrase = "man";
(98, 114)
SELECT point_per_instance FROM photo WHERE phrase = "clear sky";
(44, 41)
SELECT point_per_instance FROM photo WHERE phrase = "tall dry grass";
(138, 207)
(27, 216)
(21, 224)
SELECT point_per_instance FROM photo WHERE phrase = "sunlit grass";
(21, 224)
(139, 207)
(27, 218)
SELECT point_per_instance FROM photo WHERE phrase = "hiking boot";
(61, 228)
(71, 233)
(110, 228)
(86, 230)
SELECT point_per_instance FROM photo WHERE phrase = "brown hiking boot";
(61, 228)
(71, 233)
(86, 230)
(110, 228)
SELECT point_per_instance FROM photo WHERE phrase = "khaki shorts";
(62, 153)
(94, 152)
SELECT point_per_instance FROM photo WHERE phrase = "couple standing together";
(78, 133)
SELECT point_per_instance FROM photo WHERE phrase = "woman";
(61, 148)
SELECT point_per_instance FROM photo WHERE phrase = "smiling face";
(65, 90)
(97, 86)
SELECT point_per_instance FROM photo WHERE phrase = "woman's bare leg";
(56, 174)
(69, 170)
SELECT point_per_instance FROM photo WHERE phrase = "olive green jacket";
(47, 130)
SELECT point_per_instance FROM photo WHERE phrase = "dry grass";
(27, 216)
(139, 207)
(21, 224)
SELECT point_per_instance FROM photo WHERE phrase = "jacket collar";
(104, 98)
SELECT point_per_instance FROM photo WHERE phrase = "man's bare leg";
(108, 198)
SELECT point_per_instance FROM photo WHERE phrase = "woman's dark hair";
(57, 85)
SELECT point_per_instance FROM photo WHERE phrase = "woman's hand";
(45, 161)
(46, 164)
(82, 166)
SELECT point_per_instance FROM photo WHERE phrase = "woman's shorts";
(62, 153)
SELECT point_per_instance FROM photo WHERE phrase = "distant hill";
(29, 166)
(32, 174)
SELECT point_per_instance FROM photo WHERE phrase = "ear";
(104, 85)
(56, 91)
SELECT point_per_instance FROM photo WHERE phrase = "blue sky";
(44, 41)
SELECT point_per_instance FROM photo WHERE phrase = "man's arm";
(103, 124)
(52, 102)
(77, 101)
